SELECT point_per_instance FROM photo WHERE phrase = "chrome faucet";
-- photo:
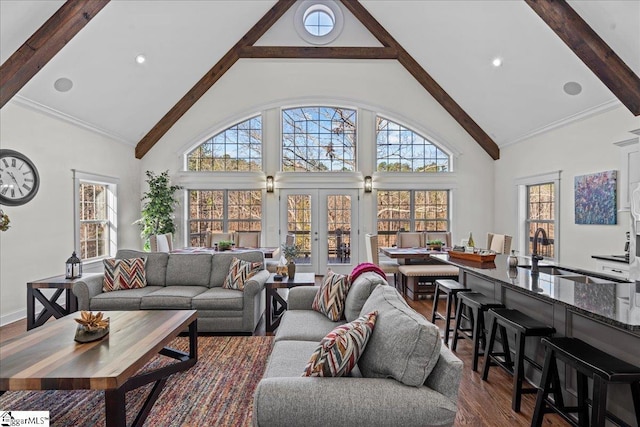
(534, 252)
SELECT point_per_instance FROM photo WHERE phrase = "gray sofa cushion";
(171, 298)
(155, 268)
(222, 261)
(305, 325)
(189, 269)
(289, 358)
(404, 345)
(219, 299)
(127, 299)
(359, 292)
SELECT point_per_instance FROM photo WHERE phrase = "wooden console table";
(276, 305)
(51, 306)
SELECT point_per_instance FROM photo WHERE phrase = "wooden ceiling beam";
(591, 49)
(421, 75)
(318, 52)
(211, 77)
(44, 44)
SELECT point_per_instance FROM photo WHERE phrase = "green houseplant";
(159, 204)
(290, 253)
(225, 245)
(435, 244)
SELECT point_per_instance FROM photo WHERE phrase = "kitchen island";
(601, 310)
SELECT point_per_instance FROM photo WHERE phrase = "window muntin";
(94, 221)
(318, 139)
(236, 149)
(402, 150)
(319, 20)
(223, 211)
(541, 214)
(411, 210)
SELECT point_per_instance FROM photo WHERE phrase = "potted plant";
(435, 244)
(290, 253)
(225, 245)
(157, 211)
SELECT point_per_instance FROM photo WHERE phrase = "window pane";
(94, 221)
(238, 148)
(316, 139)
(540, 214)
(403, 150)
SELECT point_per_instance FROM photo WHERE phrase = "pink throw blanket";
(363, 268)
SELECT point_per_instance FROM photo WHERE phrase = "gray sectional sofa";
(185, 281)
(405, 376)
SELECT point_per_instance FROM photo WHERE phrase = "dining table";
(408, 254)
(269, 252)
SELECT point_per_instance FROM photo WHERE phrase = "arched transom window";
(237, 148)
(403, 150)
(318, 139)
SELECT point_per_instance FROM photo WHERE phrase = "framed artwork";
(595, 198)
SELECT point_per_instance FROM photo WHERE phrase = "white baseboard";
(6, 319)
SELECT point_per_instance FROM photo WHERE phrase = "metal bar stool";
(451, 288)
(478, 304)
(589, 362)
(523, 326)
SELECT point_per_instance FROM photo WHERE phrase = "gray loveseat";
(405, 376)
(185, 281)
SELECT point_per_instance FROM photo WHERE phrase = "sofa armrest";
(446, 375)
(282, 401)
(255, 284)
(87, 288)
(301, 297)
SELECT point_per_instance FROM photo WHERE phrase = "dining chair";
(212, 238)
(247, 239)
(161, 242)
(409, 239)
(373, 256)
(500, 243)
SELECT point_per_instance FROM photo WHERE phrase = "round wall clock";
(19, 180)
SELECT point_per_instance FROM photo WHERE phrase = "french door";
(325, 225)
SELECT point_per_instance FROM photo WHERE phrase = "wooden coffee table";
(276, 305)
(47, 358)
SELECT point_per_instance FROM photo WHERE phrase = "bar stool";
(478, 304)
(589, 362)
(451, 288)
(523, 326)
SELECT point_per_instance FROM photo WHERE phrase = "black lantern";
(74, 267)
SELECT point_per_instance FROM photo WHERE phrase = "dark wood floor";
(481, 403)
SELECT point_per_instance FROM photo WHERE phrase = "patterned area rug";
(218, 390)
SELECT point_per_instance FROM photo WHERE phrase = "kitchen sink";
(550, 270)
(586, 279)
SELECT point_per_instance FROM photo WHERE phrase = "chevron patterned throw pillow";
(331, 296)
(340, 350)
(239, 272)
(124, 274)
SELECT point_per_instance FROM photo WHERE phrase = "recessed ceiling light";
(497, 62)
(572, 88)
(63, 84)
(140, 59)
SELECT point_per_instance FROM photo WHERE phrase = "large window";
(238, 148)
(318, 139)
(402, 150)
(223, 211)
(411, 210)
(96, 215)
(541, 214)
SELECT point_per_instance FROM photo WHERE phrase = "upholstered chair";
(161, 242)
(500, 243)
(215, 237)
(406, 239)
(373, 256)
(247, 239)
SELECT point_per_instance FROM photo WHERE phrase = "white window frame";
(523, 230)
(80, 177)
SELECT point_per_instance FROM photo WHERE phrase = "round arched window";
(318, 21)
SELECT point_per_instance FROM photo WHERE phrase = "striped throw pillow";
(331, 296)
(239, 272)
(339, 351)
(124, 274)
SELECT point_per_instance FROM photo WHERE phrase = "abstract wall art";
(596, 198)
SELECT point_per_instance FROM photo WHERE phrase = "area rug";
(218, 390)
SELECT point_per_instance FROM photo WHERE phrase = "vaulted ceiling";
(450, 42)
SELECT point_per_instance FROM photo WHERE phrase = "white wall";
(41, 235)
(580, 148)
(385, 87)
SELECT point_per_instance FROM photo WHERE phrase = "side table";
(51, 306)
(276, 305)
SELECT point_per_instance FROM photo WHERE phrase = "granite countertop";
(605, 298)
(615, 258)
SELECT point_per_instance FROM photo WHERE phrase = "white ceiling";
(455, 42)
